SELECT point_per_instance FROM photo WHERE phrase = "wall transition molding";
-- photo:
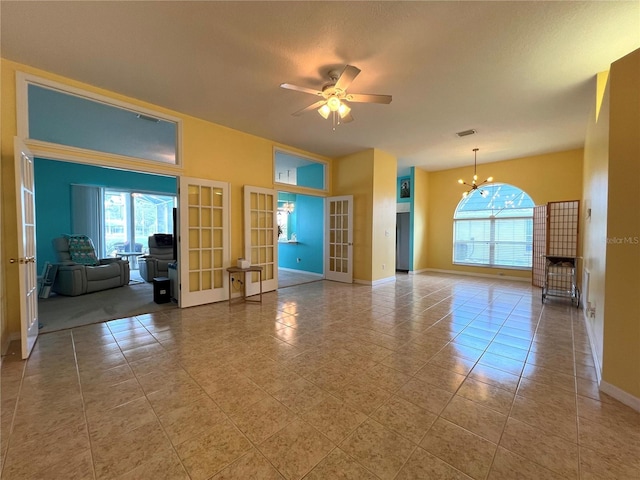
(620, 395)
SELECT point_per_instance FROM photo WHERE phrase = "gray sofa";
(75, 278)
(156, 263)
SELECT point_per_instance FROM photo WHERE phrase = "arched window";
(493, 227)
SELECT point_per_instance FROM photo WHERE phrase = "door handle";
(22, 261)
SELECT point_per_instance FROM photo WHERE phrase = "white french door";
(27, 275)
(261, 238)
(203, 253)
(338, 229)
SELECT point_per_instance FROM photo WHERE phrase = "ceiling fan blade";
(346, 77)
(347, 118)
(368, 98)
(313, 106)
(288, 86)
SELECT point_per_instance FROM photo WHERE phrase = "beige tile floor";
(434, 376)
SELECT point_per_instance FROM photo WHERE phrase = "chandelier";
(474, 183)
(288, 207)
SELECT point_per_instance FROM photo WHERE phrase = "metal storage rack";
(560, 278)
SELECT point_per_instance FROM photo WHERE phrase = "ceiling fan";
(335, 97)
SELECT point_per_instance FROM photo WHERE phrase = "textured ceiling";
(520, 73)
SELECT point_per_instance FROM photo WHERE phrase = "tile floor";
(433, 376)
(288, 278)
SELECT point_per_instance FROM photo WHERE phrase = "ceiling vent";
(466, 133)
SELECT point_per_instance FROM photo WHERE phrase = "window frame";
(130, 214)
(294, 187)
(492, 220)
(23, 80)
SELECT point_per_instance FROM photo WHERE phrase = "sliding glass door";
(130, 217)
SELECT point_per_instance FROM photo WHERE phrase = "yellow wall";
(550, 177)
(384, 219)
(420, 218)
(594, 228)
(353, 175)
(621, 355)
(209, 151)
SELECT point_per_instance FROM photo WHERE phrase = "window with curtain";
(493, 227)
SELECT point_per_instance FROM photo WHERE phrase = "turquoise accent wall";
(412, 218)
(311, 176)
(66, 119)
(307, 222)
(53, 181)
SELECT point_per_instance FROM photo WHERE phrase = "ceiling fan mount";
(335, 96)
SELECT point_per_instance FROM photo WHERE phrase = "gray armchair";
(74, 278)
(156, 263)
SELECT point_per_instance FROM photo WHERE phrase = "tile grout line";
(13, 418)
(84, 408)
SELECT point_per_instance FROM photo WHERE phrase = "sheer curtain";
(86, 214)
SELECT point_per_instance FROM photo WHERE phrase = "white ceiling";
(520, 73)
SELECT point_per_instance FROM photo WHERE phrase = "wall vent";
(466, 133)
(147, 118)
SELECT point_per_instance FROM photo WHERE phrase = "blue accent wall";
(311, 176)
(66, 119)
(307, 222)
(53, 181)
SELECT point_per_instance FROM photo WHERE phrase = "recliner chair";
(156, 263)
(80, 271)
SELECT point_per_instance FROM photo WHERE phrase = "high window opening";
(292, 169)
(493, 227)
(58, 114)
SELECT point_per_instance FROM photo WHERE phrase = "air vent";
(466, 133)
(147, 118)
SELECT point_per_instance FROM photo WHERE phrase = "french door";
(339, 239)
(203, 253)
(27, 276)
(261, 238)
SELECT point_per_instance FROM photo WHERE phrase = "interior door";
(261, 237)
(27, 276)
(339, 239)
(203, 253)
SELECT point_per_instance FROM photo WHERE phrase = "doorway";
(54, 182)
(300, 238)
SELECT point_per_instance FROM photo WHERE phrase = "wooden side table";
(253, 268)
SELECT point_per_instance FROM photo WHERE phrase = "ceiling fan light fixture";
(334, 96)
(324, 111)
(343, 110)
(334, 104)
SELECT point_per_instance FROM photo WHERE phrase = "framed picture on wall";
(405, 188)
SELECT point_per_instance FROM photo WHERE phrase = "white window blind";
(493, 227)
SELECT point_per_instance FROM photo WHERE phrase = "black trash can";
(161, 286)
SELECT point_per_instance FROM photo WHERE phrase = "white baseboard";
(592, 345)
(620, 395)
(293, 270)
(414, 272)
(375, 282)
(471, 274)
